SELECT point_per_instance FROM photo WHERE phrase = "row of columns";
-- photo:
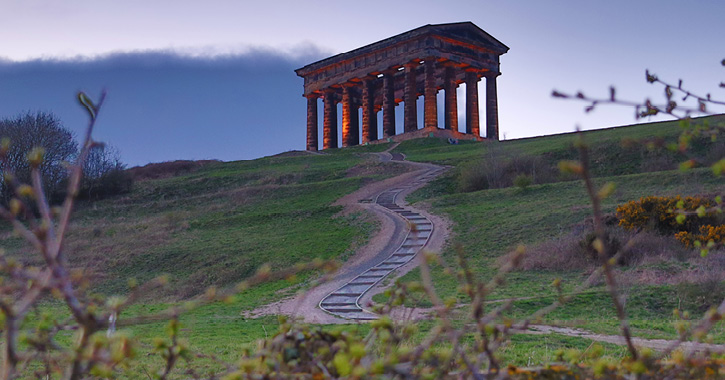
(351, 124)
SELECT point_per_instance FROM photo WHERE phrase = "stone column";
(410, 113)
(329, 132)
(472, 119)
(491, 106)
(389, 103)
(347, 109)
(354, 118)
(370, 119)
(312, 122)
(451, 100)
(430, 103)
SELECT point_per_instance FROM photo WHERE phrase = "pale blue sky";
(249, 104)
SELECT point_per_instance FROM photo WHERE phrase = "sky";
(215, 79)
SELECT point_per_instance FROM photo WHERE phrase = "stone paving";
(344, 302)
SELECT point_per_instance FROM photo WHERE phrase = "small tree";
(39, 130)
(104, 174)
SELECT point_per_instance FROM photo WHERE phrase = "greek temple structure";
(398, 69)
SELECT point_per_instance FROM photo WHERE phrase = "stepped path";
(404, 232)
(345, 301)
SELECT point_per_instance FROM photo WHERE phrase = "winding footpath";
(405, 231)
(344, 302)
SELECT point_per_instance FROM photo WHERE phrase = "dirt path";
(393, 230)
(389, 236)
(655, 344)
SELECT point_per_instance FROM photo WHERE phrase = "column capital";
(491, 74)
(412, 63)
(330, 93)
(348, 85)
(448, 63)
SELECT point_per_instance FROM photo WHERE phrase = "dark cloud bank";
(164, 106)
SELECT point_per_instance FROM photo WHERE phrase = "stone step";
(398, 262)
(345, 294)
(333, 304)
(362, 283)
(343, 310)
(340, 298)
(359, 316)
(369, 276)
(415, 217)
(354, 288)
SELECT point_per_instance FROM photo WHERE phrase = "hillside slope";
(489, 223)
(217, 225)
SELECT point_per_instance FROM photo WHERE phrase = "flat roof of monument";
(461, 31)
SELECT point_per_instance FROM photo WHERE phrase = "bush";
(498, 170)
(104, 175)
(713, 236)
(659, 214)
(523, 181)
(39, 130)
(709, 291)
(574, 251)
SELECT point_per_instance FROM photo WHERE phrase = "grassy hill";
(489, 223)
(216, 225)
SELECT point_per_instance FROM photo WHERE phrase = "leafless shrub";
(498, 169)
(30, 131)
(574, 251)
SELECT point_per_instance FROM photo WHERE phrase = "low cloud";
(168, 104)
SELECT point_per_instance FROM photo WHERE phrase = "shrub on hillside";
(713, 236)
(498, 170)
(44, 134)
(660, 214)
(575, 251)
(103, 174)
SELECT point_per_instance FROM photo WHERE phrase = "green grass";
(216, 226)
(489, 223)
(606, 141)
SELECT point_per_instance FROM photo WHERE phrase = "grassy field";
(487, 224)
(217, 225)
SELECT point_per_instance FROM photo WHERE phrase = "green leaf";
(701, 211)
(719, 167)
(88, 104)
(342, 364)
